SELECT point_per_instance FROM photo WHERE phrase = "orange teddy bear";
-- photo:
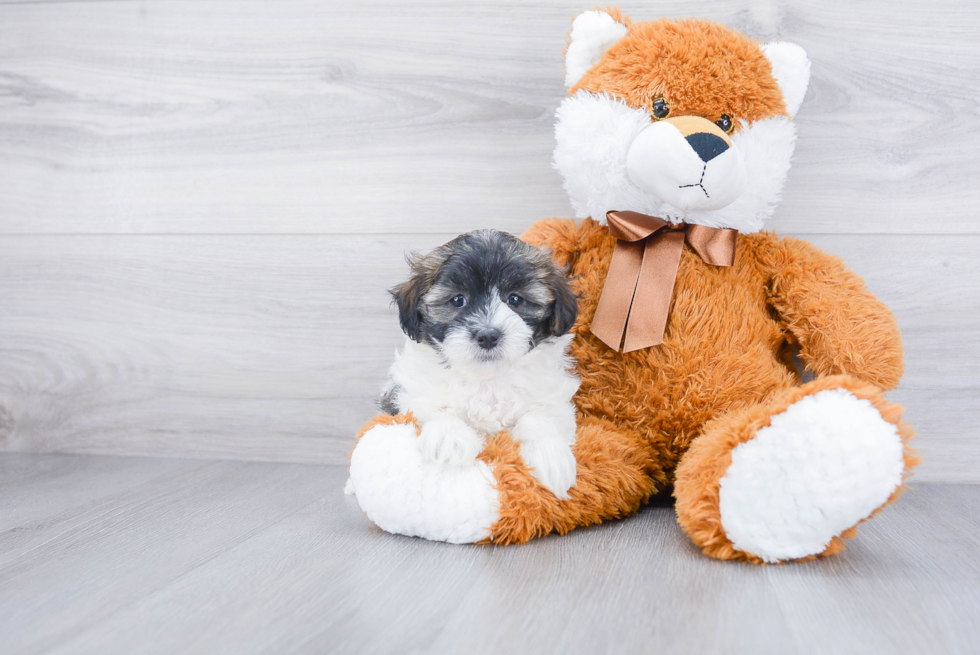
(674, 142)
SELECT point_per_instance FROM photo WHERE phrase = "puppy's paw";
(449, 441)
(349, 487)
(552, 463)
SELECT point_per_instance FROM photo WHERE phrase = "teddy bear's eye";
(661, 109)
(726, 123)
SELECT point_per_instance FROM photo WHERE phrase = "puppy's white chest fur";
(486, 398)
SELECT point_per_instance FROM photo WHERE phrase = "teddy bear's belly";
(722, 351)
(667, 396)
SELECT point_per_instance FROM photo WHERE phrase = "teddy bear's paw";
(450, 441)
(819, 468)
(405, 493)
(552, 463)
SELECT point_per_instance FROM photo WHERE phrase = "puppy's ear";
(408, 296)
(564, 310)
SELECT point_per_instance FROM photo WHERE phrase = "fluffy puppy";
(486, 317)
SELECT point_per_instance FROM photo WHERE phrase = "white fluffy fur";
(791, 68)
(593, 32)
(404, 493)
(459, 405)
(821, 466)
(594, 134)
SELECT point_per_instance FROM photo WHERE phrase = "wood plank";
(177, 117)
(274, 347)
(923, 548)
(98, 558)
(932, 284)
(60, 501)
(631, 586)
(357, 590)
(323, 579)
(33, 488)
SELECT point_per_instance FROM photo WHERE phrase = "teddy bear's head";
(687, 120)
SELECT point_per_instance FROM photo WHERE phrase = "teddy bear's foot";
(791, 479)
(821, 466)
(404, 493)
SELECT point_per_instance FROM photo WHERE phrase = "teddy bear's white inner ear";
(593, 32)
(791, 68)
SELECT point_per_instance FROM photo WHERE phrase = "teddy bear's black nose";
(708, 146)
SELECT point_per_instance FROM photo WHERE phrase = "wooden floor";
(126, 555)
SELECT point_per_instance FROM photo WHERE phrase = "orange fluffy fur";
(701, 68)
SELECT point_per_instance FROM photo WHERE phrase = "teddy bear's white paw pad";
(404, 493)
(819, 468)
(552, 463)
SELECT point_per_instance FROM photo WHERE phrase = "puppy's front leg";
(546, 446)
(448, 440)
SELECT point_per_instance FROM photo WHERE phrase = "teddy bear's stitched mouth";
(699, 182)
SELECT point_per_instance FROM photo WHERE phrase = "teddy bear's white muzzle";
(697, 170)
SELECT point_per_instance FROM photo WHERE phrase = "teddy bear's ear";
(791, 68)
(593, 32)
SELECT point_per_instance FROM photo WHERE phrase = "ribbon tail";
(655, 284)
(609, 322)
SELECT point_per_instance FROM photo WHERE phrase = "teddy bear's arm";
(840, 326)
(559, 235)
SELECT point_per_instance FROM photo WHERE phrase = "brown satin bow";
(640, 282)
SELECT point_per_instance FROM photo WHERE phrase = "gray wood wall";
(202, 202)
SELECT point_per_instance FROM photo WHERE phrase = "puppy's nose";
(487, 338)
(708, 146)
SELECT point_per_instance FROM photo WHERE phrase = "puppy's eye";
(515, 300)
(726, 123)
(458, 301)
(661, 109)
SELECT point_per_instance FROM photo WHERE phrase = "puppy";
(486, 317)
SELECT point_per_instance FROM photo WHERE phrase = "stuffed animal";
(674, 143)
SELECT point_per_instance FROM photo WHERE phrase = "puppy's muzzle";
(688, 162)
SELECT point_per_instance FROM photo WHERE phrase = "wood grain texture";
(35, 489)
(272, 558)
(274, 347)
(91, 559)
(382, 116)
(269, 347)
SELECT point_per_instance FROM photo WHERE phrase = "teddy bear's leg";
(792, 477)
(615, 474)
(495, 499)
